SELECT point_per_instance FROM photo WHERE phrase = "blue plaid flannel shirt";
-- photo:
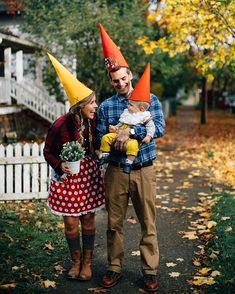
(109, 113)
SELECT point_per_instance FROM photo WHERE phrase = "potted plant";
(72, 153)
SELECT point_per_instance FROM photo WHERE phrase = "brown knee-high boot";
(86, 272)
(75, 252)
(75, 269)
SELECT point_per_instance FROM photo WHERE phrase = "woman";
(75, 196)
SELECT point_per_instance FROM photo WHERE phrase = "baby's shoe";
(104, 159)
(127, 168)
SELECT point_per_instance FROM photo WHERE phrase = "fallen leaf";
(180, 259)
(204, 271)
(48, 246)
(229, 229)
(211, 224)
(213, 256)
(59, 268)
(186, 184)
(7, 286)
(198, 281)
(60, 225)
(48, 283)
(174, 274)
(215, 274)
(191, 235)
(135, 253)
(205, 214)
(196, 262)
(224, 218)
(131, 220)
(38, 224)
(202, 194)
(170, 264)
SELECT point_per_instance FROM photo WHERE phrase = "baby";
(136, 113)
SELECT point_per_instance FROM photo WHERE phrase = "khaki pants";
(140, 185)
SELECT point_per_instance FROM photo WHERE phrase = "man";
(140, 184)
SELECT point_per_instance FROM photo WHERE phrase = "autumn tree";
(69, 29)
(201, 29)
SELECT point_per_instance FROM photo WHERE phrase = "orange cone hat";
(75, 90)
(112, 55)
(141, 91)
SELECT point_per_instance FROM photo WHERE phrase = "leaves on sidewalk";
(132, 220)
(135, 253)
(174, 274)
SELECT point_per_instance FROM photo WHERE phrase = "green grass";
(25, 228)
(224, 243)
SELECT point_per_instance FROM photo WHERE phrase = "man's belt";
(134, 166)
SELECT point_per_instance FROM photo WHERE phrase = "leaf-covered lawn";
(31, 247)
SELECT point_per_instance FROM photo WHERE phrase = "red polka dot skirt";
(79, 193)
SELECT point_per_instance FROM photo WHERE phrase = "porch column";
(7, 65)
(6, 95)
(19, 66)
(38, 70)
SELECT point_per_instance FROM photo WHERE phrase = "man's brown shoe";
(150, 283)
(110, 279)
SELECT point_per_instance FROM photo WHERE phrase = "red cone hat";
(141, 91)
(112, 55)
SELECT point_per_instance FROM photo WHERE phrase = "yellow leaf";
(186, 184)
(191, 235)
(205, 214)
(211, 224)
(204, 271)
(203, 281)
(60, 225)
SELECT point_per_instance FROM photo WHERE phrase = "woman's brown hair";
(76, 110)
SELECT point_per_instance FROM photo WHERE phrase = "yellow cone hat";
(75, 90)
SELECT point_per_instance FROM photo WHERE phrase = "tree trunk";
(204, 102)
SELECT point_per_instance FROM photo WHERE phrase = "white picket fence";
(24, 172)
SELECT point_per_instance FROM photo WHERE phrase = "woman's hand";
(65, 168)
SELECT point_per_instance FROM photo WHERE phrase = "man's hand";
(121, 140)
(147, 139)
